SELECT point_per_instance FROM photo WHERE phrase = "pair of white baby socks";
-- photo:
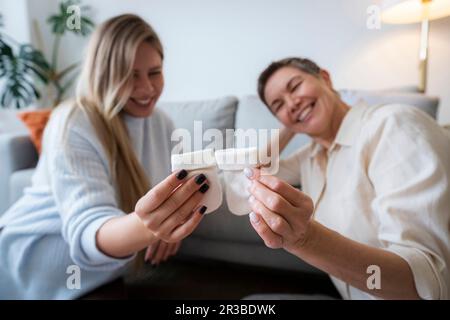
(232, 163)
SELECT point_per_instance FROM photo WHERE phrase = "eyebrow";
(150, 69)
(290, 83)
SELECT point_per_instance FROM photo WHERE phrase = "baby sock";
(232, 162)
(201, 162)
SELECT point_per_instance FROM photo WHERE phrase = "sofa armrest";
(17, 152)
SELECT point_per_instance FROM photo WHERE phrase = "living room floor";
(207, 279)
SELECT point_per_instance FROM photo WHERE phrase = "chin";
(140, 112)
(310, 128)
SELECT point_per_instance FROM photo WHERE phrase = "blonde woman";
(89, 210)
(375, 212)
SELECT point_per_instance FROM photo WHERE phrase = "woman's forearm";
(349, 260)
(123, 236)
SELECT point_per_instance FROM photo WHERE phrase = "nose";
(144, 86)
(292, 104)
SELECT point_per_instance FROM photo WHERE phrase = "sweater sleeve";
(85, 198)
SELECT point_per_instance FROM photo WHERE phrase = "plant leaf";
(19, 71)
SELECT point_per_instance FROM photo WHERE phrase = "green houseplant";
(23, 67)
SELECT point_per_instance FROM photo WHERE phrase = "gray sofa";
(221, 235)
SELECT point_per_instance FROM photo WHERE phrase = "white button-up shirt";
(384, 182)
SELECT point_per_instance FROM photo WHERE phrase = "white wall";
(16, 19)
(218, 47)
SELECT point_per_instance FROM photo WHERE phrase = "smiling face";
(148, 82)
(303, 102)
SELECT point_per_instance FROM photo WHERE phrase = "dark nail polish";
(204, 188)
(200, 179)
(182, 174)
(203, 210)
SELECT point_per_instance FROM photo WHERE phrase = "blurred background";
(217, 47)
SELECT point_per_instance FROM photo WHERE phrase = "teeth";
(143, 102)
(305, 113)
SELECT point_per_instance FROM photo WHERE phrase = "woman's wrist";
(148, 237)
(123, 236)
(306, 244)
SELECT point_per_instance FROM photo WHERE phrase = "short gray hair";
(304, 64)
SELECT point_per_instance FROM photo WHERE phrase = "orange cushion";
(35, 121)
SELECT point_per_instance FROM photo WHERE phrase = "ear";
(325, 75)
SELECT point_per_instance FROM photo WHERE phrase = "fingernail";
(204, 188)
(248, 172)
(182, 174)
(203, 209)
(200, 179)
(253, 217)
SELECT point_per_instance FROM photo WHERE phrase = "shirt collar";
(315, 149)
(348, 131)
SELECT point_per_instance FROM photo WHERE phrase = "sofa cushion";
(36, 121)
(17, 152)
(213, 114)
(425, 103)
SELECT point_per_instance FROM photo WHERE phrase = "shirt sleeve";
(409, 169)
(85, 198)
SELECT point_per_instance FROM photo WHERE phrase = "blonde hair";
(104, 87)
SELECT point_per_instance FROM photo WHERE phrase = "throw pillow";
(35, 121)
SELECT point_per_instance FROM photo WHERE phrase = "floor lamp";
(413, 11)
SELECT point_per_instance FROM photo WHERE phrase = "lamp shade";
(412, 11)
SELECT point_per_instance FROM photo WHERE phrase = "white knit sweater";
(53, 226)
